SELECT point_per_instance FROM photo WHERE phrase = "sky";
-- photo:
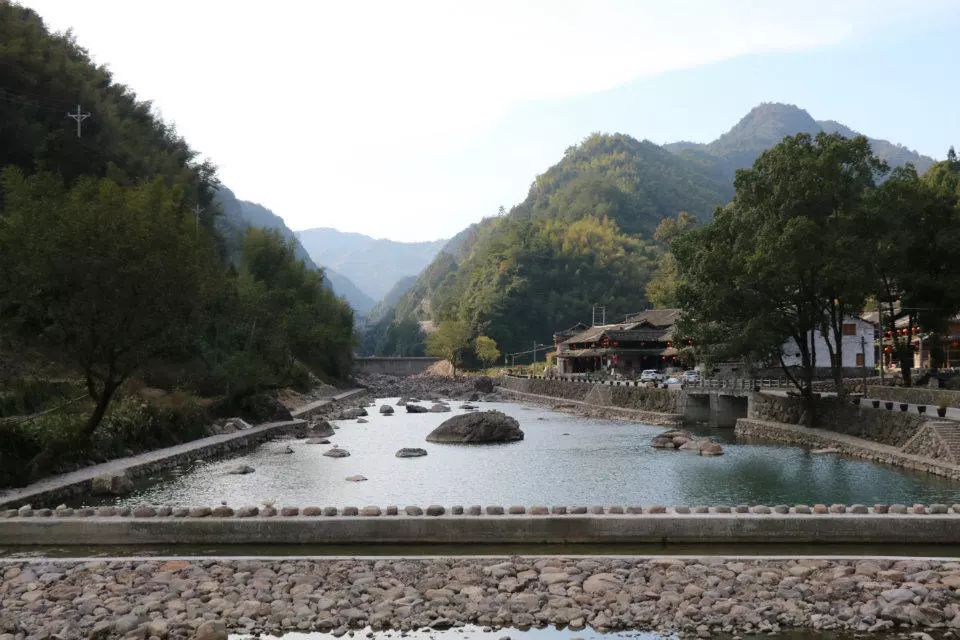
(410, 120)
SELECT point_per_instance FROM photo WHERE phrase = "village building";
(858, 336)
(642, 341)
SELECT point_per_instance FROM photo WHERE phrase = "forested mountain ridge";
(766, 125)
(238, 215)
(582, 229)
(621, 188)
(374, 265)
(111, 282)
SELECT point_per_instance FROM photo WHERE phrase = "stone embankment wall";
(621, 396)
(916, 395)
(894, 428)
(820, 523)
(697, 597)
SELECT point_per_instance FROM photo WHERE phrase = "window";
(849, 329)
(860, 362)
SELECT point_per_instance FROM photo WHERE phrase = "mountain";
(583, 234)
(766, 125)
(240, 214)
(374, 265)
(345, 288)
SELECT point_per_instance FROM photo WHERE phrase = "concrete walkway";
(131, 464)
(637, 415)
(952, 414)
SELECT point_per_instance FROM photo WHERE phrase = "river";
(563, 460)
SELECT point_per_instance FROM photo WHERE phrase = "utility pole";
(79, 116)
(197, 209)
(863, 350)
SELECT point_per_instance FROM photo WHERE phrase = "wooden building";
(643, 341)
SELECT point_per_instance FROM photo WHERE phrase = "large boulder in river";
(477, 428)
(415, 408)
(483, 384)
(440, 407)
(112, 484)
(352, 413)
(386, 409)
(320, 429)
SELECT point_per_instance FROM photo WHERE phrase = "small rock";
(411, 452)
(241, 469)
(336, 452)
(356, 478)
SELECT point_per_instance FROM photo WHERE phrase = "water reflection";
(564, 459)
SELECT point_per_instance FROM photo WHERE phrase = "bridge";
(399, 366)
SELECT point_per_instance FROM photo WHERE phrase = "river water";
(563, 460)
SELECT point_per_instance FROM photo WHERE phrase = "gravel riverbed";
(206, 598)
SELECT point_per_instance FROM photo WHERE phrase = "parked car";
(691, 377)
(650, 375)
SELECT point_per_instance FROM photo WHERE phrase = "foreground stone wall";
(894, 428)
(916, 395)
(435, 524)
(207, 598)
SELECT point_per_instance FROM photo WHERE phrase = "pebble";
(680, 597)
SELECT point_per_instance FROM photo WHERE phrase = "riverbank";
(926, 441)
(702, 597)
(591, 410)
(62, 487)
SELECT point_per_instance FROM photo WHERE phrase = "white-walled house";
(858, 347)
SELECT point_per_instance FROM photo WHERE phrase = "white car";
(650, 375)
(691, 377)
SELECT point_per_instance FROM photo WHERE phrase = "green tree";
(784, 259)
(449, 341)
(662, 286)
(917, 232)
(110, 275)
(486, 350)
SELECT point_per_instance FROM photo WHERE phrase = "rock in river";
(386, 409)
(336, 452)
(241, 469)
(352, 413)
(408, 452)
(320, 429)
(316, 441)
(483, 384)
(415, 408)
(477, 428)
(357, 478)
(112, 484)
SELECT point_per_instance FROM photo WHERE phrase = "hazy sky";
(410, 120)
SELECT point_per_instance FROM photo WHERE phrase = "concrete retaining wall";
(758, 524)
(916, 395)
(393, 366)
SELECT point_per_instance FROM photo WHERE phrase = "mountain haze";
(373, 265)
(240, 214)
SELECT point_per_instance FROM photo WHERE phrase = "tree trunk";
(106, 395)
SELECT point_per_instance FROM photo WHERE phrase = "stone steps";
(949, 435)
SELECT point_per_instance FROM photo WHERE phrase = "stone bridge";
(393, 366)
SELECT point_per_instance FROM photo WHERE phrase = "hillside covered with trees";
(112, 282)
(587, 233)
